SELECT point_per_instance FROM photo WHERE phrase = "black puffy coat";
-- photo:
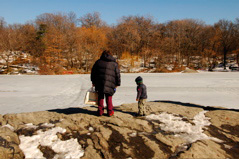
(105, 74)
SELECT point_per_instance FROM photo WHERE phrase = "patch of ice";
(134, 134)
(190, 132)
(8, 126)
(69, 148)
(227, 146)
(66, 149)
(47, 125)
(91, 129)
(30, 126)
(29, 146)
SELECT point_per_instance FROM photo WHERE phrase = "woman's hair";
(107, 52)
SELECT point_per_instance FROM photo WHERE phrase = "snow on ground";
(64, 149)
(188, 131)
(25, 93)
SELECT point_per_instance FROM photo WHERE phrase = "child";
(141, 96)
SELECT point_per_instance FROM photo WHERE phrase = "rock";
(205, 149)
(9, 142)
(124, 135)
(225, 126)
(1, 120)
(91, 152)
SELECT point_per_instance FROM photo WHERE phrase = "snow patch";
(8, 126)
(66, 149)
(91, 129)
(30, 126)
(134, 134)
(227, 146)
(189, 132)
(48, 125)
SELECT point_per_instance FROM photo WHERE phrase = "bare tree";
(237, 38)
(2, 23)
(91, 42)
(10, 40)
(226, 34)
(91, 19)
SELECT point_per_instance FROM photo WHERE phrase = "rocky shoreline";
(208, 132)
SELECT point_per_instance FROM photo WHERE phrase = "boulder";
(125, 135)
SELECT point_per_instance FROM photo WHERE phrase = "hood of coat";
(107, 57)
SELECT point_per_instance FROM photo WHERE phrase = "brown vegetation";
(58, 43)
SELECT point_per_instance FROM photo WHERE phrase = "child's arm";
(139, 92)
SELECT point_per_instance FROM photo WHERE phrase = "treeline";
(61, 41)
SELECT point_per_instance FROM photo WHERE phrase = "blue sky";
(209, 11)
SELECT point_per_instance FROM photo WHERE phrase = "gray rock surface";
(124, 135)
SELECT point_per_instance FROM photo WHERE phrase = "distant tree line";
(62, 41)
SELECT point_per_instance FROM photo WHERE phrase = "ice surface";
(37, 93)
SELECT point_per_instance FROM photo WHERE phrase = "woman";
(105, 76)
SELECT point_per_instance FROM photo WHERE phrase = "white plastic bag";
(91, 97)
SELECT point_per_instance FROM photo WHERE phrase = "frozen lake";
(36, 93)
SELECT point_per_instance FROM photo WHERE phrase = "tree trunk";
(238, 59)
(225, 58)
